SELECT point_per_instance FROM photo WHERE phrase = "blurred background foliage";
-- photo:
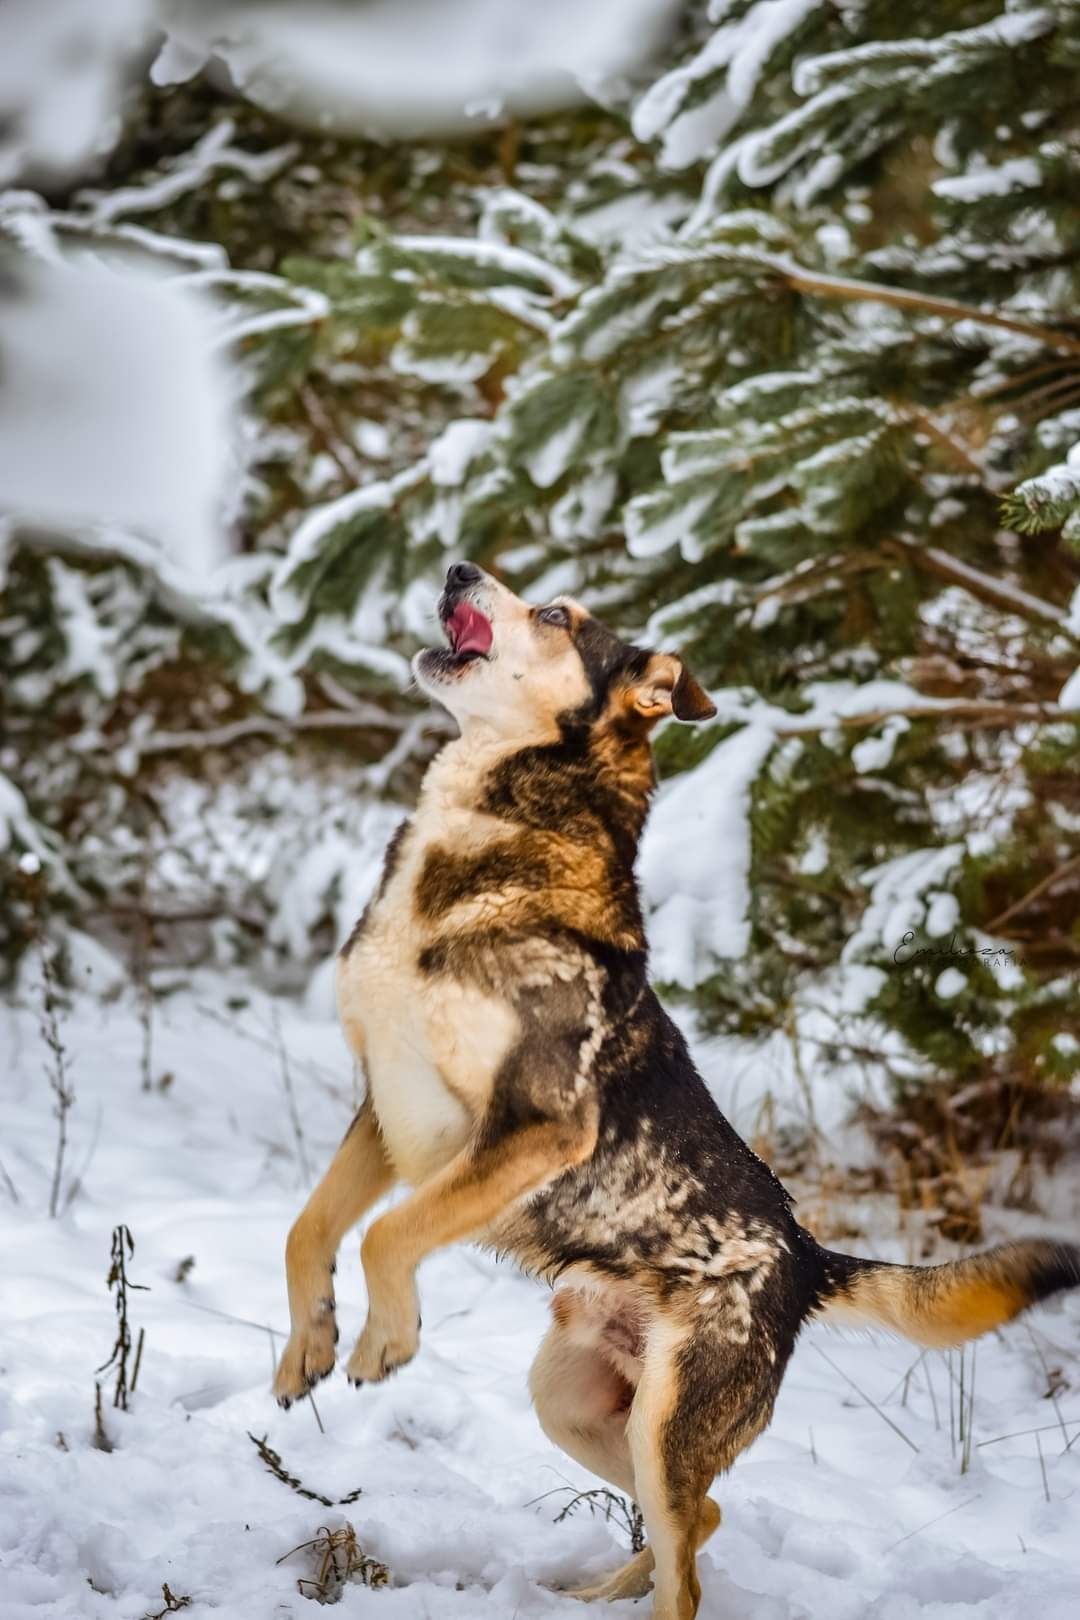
(772, 357)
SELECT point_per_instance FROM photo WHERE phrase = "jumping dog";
(528, 1086)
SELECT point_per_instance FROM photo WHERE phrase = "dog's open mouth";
(468, 631)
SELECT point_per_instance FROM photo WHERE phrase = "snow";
(989, 180)
(949, 984)
(515, 263)
(875, 753)
(213, 152)
(898, 905)
(580, 513)
(452, 453)
(136, 451)
(315, 527)
(695, 859)
(402, 68)
(553, 455)
(832, 1510)
(60, 80)
(692, 127)
(654, 524)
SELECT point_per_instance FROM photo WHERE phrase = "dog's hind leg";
(583, 1404)
(359, 1173)
(702, 1398)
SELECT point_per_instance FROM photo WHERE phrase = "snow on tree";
(773, 358)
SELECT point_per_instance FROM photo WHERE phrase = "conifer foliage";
(777, 361)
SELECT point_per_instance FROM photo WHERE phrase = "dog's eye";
(555, 615)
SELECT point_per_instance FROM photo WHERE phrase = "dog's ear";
(665, 687)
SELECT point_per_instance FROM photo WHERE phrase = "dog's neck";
(578, 788)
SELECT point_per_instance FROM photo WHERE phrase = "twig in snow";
(123, 1247)
(1051, 1385)
(904, 1381)
(290, 1096)
(75, 1184)
(609, 1504)
(1017, 1434)
(273, 1461)
(57, 1071)
(947, 1514)
(227, 1316)
(172, 1604)
(967, 1411)
(884, 1416)
(9, 1184)
(315, 1409)
(1042, 1466)
(933, 1396)
(101, 1441)
(144, 991)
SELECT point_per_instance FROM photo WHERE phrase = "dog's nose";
(462, 574)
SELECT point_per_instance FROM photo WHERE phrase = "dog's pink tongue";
(469, 630)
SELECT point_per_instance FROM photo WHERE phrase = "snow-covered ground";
(843, 1508)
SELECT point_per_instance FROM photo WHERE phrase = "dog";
(524, 1080)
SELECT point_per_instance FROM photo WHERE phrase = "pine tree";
(777, 363)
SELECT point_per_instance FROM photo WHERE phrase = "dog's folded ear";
(666, 687)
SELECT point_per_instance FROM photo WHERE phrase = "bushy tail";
(941, 1306)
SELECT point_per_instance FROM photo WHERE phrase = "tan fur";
(459, 1202)
(939, 1307)
(431, 1049)
(359, 1175)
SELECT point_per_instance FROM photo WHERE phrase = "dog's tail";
(944, 1305)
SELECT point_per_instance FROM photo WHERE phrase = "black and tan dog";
(525, 1081)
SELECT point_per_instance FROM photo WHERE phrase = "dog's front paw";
(309, 1356)
(390, 1338)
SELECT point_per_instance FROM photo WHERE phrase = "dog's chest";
(431, 1045)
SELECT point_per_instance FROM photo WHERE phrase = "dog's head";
(546, 672)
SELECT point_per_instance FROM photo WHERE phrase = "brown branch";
(955, 452)
(998, 922)
(366, 717)
(326, 431)
(1010, 598)
(845, 288)
(975, 713)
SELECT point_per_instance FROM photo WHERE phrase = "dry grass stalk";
(609, 1505)
(338, 1558)
(101, 1441)
(290, 1098)
(57, 1071)
(123, 1247)
(172, 1604)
